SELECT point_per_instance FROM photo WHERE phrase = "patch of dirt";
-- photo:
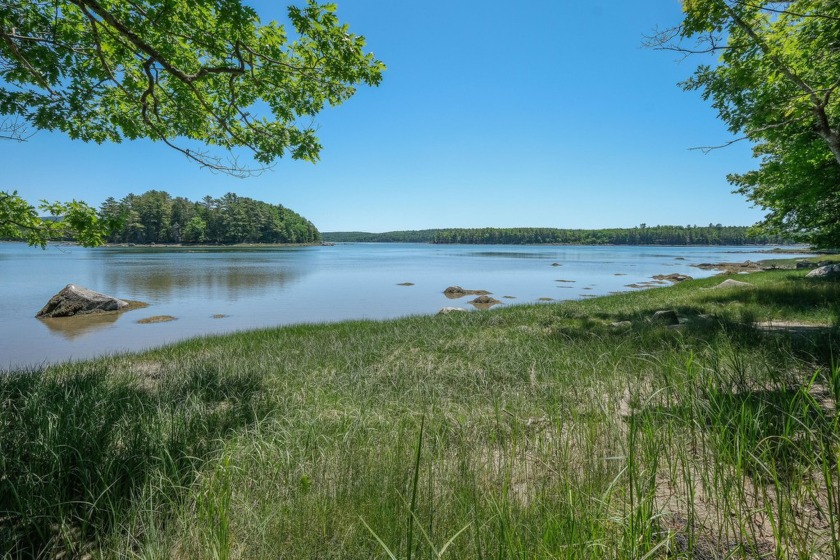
(791, 327)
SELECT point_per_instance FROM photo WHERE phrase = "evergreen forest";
(157, 217)
(641, 235)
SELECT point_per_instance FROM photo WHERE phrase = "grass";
(536, 431)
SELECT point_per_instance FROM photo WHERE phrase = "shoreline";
(724, 270)
(485, 417)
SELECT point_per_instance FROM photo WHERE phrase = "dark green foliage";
(156, 217)
(76, 450)
(643, 235)
(74, 220)
(179, 70)
(775, 84)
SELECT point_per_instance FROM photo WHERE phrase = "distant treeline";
(642, 235)
(156, 217)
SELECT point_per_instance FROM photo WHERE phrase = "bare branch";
(12, 128)
(749, 135)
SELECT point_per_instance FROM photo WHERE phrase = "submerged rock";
(828, 271)
(484, 302)
(675, 277)
(454, 292)
(157, 319)
(76, 300)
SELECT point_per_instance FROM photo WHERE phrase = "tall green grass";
(528, 432)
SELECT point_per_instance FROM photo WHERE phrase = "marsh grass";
(527, 432)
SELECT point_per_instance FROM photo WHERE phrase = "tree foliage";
(775, 83)
(642, 235)
(73, 220)
(205, 77)
(156, 217)
(179, 70)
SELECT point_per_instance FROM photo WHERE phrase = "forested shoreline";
(641, 235)
(157, 217)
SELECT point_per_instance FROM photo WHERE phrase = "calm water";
(278, 286)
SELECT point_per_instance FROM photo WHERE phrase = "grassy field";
(572, 430)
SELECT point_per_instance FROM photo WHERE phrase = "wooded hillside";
(156, 217)
(642, 235)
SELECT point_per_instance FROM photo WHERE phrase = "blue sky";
(546, 113)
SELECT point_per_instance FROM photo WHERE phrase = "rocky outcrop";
(828, 271)
(732, 267)
(76, 300)
(675, 277)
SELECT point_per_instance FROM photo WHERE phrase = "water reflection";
(72, 328)
(256, 288)
(218, 281)
(200, 273)
(511, 255)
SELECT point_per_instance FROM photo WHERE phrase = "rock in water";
(76, 300)
(828, 271)
(484, 302)
(455, 292)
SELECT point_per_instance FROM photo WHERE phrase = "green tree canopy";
(775, 83)
(187, 73)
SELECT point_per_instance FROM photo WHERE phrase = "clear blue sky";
(546, 113)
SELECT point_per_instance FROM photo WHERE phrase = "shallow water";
(262, 287)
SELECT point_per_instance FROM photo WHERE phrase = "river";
(219, 290)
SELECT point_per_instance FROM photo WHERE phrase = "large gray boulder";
(828, 271)
(76, 300)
